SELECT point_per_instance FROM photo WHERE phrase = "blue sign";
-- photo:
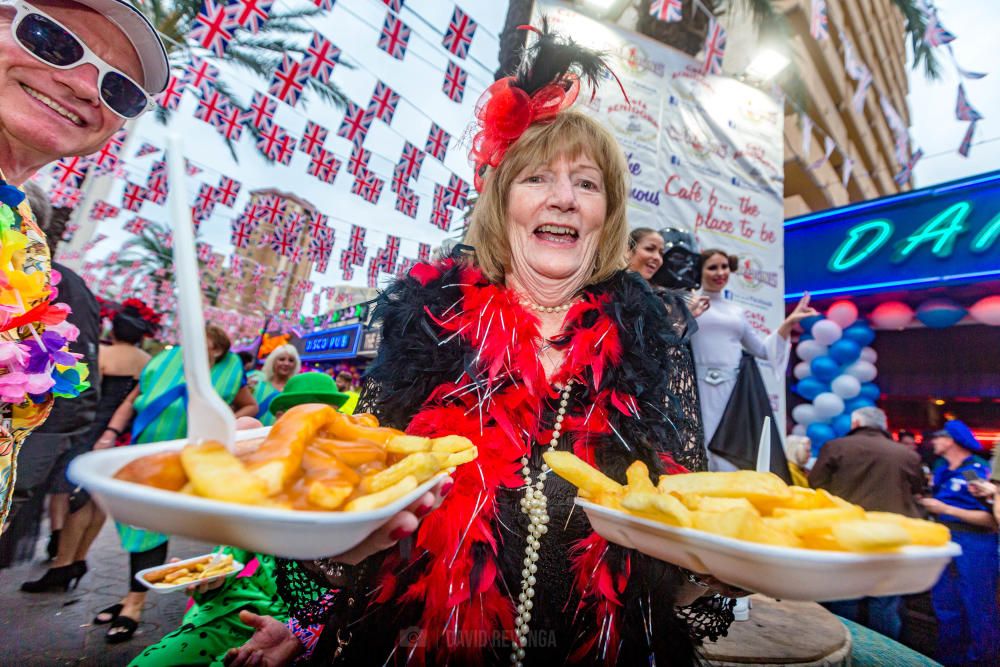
(339, 343)
(947, 234)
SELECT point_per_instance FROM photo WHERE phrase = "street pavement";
(57, 628)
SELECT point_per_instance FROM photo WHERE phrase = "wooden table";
(783, 633)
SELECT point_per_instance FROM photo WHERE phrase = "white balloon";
(843, 313)
(804, 414)
(828, 405)
(799, 429)
(809, 350)
(846, 386)
(865, 371)
(869, 354)
(826, 332)
(802, 370)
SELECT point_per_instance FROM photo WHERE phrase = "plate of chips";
(178, 575)
(313, 485)
(752, 531)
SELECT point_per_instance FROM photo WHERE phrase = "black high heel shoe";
(56, 579)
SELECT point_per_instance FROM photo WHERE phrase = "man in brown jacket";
(869, 468)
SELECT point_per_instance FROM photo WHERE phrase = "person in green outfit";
(308, 388)
(157, 410)
(283, 363)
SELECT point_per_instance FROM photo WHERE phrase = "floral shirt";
(35, 365)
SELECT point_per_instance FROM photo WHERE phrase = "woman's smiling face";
(647, 255)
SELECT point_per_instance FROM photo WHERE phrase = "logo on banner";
(696, 144)
(753, 275)
(636, 61)
(634, 120)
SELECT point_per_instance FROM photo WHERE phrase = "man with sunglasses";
(71, 75)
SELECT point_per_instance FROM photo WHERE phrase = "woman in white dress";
(722, 336)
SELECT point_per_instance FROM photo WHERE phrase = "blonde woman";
(281, 364)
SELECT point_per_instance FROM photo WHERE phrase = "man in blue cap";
(965, 597)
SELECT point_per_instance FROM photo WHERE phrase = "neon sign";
(944, 234)
(339, 343)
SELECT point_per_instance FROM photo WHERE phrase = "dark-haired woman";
(120, 363)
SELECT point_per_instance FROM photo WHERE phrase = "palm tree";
(151, 249)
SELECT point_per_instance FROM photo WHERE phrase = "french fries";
(191, 572)
(314, 458)
(749, 506)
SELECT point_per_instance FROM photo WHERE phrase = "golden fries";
(191, 572)
(749, 506)
(216, 473)
(373, 501)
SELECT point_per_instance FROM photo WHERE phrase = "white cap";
(143, 36)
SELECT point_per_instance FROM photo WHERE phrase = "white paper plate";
(140, 576)
(279, 532)
(779, 572)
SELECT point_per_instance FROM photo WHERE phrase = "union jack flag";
(399, 179)
(394, 5)
(258, 274)
(437, 142)
(372, 273)
(283, 240)
(966, 145)
(320, 249)
(171, 96)
(71, 171)
(668, 11)
(146, 149)
(271, 208)
(236, 264)
(242, 229)
(191, 168)
(229, 123)
(906, 172)
(324, 165)
(441, 196)
(321, 57)
(206, 196)
(454, 82)
(227, 191)
(65, 196)
(368, 186)
(457, 192)
(289, 81)
(964, 110)
(262, 108)
(251, 14)
(106, 159)
(383, 103)
(411, 160)
(136, 225)
(204, 251)
(213, 27)
(133, 196)
(818, 25)
(354, 254)
(395, 36)
(275, 143)
(387, 257)
(325, 5)
(294, 222)
(458, 35)
(358, 161)
(935, 33)
(200, 73)
(356, 124)
(407, 202)
(102, 210)
(211, 104)
(313, 138)
(441, 218)
(715, 48)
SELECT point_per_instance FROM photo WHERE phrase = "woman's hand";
(106, 441)
(400, 526)
(699, 305)
(272, 644)
(933, 505)
(801, 312)
(980, 488)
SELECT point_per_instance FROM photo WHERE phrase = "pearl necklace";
(562, 308)
(535, 506)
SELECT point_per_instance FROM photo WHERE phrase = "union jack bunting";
(204, 251)
(213, 27)
(407, 202)
(356, 124)
(227, 191)
(213, 262)
(324, 165)
(251, 14)
(136, 225)
(354, 254)
(411, 161)
(454, 82)
(206, 196)
(65, 196)
(313, 138)
(441, 218)
(437, 142)
(358, 161)
(457, 191)
(294, 222)
(855, 68)
(316, 224)
(441, 196)
(71, 171)
(383, 103)
(271, 208)
(102, 210)
(935, 33)
(236, 264)
(394, 37)
(191, 168)
(283, 241)
(211, 104)
(368, 186)
(966, 144)
(668, 11)
(321, 57)
(106, 159)
(275, 143)
(372, 273)
(424, 252)
(171, 96)
(230, 123)
(394, 5)
(715, 48)
(459, 33)
(133, 196)
(325, 5)
(387, 257)
(399, 179)
(146, 149)
(289, 81)
(818, 26)
(242, 229)
(258, 273)
(906, 172)
(320, 249)
(261, 111)
(200, 73)
(964, 110)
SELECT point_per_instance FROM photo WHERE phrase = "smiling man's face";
(53, 113)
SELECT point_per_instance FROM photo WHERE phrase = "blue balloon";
(842, 424)
(809, 388)
(819, 433)
(852, 404)
(870, 391)
(845, 351)
(807, 323)
(824, 368)
(860, 333)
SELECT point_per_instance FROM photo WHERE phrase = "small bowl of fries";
(179, 575)
(751, 530)
(314, 484)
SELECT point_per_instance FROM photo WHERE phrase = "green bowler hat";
(308, 388)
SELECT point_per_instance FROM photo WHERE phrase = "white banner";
(705, 154)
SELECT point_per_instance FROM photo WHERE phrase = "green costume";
(212, 626)
(264, 392)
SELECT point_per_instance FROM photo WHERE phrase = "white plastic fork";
(764, 448)
(208, 416)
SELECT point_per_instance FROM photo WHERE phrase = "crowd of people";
(554, 328)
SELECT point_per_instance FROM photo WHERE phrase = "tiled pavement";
(57, 629)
